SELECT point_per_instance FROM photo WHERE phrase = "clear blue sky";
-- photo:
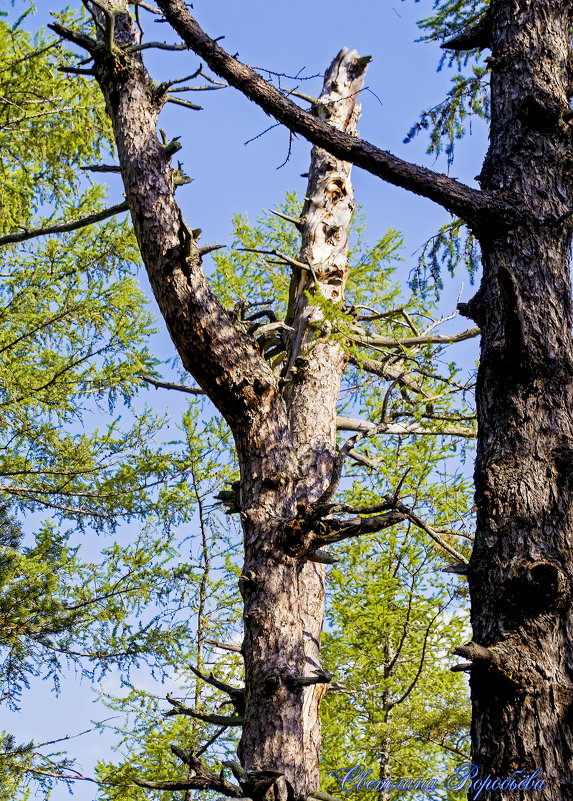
(230, 177)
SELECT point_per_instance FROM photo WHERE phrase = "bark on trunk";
(284, 427)
(522, 565)
(282, 723)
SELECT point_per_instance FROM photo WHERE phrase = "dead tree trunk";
(284, 426)
(284, 593)
(521, 660)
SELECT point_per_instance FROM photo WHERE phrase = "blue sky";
(230, 177)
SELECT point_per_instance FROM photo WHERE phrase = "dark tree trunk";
(522, 565)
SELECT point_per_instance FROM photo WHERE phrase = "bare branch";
(167, 385)
(237, 649)
(322, 558)
(75, 71)
(219, 720)
(298, 265)
(403, 429)
(236, 694)
(296, 222)
(146, 6)
(79, 39)
(413, 517)
(477, 36)
(156, 46)
(208, 779)
(63, 228)
(424, 339)
(472, 205)
(100, 168)
(387, 371)
(338, 530)
(211, 740)
(321, 676)
(179, 101)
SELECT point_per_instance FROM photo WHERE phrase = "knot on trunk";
(494, 666)
(299, 533)
(563, 461)
(541, 112)
(538, 588)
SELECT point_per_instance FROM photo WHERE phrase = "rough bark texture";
(522, 565)
(284, 430)
(282, 725)
(314, 369)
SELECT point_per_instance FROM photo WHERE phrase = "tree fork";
(285, 445)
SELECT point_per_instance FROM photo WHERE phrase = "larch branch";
(63, 228)
(168, 385)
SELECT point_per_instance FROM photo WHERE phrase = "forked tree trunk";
(284, 426)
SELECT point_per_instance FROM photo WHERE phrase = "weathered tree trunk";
(522, 565)
(284, 604)
(284, 427)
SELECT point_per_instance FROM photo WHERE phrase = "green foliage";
(73, 347)
(453, 244)
(451, 17)
(144, 737)
(448, 121)
(384, 585)
(79, 451)
(49, 124)
(393, 623)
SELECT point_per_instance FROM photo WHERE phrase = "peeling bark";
(521, 570)
(313, 372)
(312, 393)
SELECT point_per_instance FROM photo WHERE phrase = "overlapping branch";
(179, 708)
(474, 206)
(65, 227)
(204, 779)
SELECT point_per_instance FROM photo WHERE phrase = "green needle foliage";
(392, 624)
(50, 124)
(392, 619)
(447, 122)
(145, 735)
(80, 452)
